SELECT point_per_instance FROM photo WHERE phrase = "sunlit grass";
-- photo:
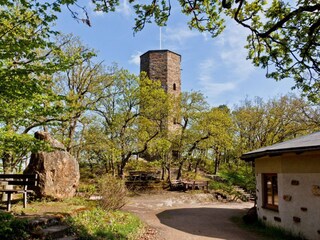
(99, 224)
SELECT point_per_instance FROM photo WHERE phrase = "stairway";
(50, 227)
(244, 195)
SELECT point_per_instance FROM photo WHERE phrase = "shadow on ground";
(208, 222)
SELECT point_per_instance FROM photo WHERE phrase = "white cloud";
(179, 35)
(124, 8)
(232, 52)
(206, 36)
(135, 58)
(208, 82)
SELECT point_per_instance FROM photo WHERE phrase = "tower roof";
(159, 51)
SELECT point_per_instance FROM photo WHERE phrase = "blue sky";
(216, 67)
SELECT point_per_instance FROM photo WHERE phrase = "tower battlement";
(163, 65)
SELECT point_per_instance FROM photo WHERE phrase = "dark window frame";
(274, 191)
(174, 87)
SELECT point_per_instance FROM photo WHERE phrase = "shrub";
(12, 228)
(113, 192)
(241, 176)
(87, 189)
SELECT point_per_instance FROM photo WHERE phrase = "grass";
(96, 224)
(85, 217)
(266, 232)
(43, 207)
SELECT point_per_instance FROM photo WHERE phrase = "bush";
(12, 228)
(241, 176)
(113, 192)
(87, 189)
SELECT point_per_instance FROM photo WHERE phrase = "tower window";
(174, 87)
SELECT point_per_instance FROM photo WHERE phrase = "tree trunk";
(7, 163)
(180, 170)
(162, 172)
(197, 166)
(189, 166)
(169, 172)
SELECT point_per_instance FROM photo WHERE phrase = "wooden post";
(9, 201)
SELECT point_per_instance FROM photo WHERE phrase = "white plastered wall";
(299, 206)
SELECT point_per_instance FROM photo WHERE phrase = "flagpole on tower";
(160, 38)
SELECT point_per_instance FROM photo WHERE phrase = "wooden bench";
(186, 185)
(196, 185)
(176, 185)
(19, 185)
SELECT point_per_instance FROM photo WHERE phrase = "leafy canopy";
(283, 34)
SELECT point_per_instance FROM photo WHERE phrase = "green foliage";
(113, 192)
(87, 189)
(262, 123)
(28, 59)
(225, 187)
(142, 165)
(242, 176)
(128, 119)
(283, 36)
(12, 228)
(96, 224)
(82, 86)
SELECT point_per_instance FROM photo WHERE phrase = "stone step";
(53, 232)
(68, 238)
(45, 221)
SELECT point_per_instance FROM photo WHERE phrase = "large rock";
(58, 170)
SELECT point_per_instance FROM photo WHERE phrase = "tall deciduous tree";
(192, 105)
(27, 58)
(132, 115)
(262, 123)
(82, 86)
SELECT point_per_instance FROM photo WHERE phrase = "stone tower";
(164, 65)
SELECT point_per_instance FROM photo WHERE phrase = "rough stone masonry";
(58, 170)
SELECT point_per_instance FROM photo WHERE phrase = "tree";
(129, 127)
(82, 86)
(283, 35)
(261, 124)
(192, 106)
(28, 57)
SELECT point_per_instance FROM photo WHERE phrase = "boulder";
(58, 170)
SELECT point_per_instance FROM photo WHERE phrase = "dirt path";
(182, 216)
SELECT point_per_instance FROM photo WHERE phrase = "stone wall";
(164, 65)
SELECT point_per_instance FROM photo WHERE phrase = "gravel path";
(184, 216)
